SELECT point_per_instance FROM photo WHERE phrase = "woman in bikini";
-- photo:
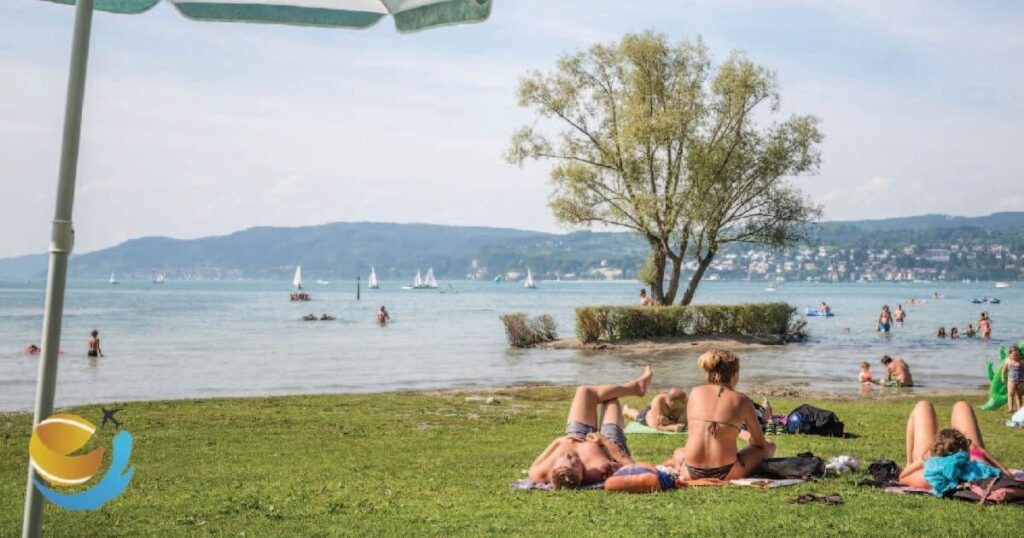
(715, 412)
(923, 432)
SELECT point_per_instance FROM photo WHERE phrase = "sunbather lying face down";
(715, 413)
(589, 454)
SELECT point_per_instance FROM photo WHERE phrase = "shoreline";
(471, 393)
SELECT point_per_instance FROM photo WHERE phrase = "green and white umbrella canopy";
(409, 15)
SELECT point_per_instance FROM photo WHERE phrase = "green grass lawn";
(428, 464)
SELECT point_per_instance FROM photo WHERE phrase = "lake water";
(205, 339)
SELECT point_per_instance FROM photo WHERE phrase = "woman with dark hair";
(961, 444)
(715, 413)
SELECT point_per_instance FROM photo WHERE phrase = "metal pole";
(61, 243)
(357, 288)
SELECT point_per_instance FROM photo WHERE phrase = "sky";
(194, 129)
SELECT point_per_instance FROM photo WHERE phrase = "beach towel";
(903, 490)
(945, 473)
(636, 427)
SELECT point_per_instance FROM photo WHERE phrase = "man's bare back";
(898, 370)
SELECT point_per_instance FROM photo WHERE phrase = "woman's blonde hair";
(720, 366)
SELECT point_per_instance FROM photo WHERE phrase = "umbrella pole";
(61, 242)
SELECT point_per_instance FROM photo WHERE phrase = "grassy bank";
(415, 464)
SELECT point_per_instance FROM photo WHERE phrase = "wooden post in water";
(357, 288)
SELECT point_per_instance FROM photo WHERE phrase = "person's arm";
(539, 469)
(757, 438)
(1003, 370)
(99, 350)
(911, 469)
(610, 448)
(987, 458)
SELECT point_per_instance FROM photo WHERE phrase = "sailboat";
(299, 295)
(429, 281)
(159, 278)
(416, 284)
(1002, 284)
(372, 281)
(297, 281)
(112, 279)
(529, 284)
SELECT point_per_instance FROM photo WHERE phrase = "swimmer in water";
(94, 344)
(383, 318)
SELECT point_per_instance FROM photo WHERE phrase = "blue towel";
(945, 473)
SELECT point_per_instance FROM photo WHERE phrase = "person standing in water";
(94, 344)
(899, 315)
(383, 318)
(885, 320)
(985, 325)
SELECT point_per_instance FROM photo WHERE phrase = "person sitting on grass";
(588, 454)
(925, 442)
(667, 411)
(865, 373)
(897, 373)
(716, 413)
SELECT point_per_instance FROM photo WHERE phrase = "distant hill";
(345, 250)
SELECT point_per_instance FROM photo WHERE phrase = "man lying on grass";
(667, 411)
(588, 455)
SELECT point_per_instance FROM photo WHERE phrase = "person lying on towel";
(588, 454)
(667, 411)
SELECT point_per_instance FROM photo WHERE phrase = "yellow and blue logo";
(53, 442)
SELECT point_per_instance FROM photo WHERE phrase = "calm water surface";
(204, 339)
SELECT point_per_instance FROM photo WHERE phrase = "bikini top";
(714, 424)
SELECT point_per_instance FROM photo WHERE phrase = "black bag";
(811, 420)
(803, 466)
(884, 473)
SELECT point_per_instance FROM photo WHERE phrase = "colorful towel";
(636, 427)
(945, 473)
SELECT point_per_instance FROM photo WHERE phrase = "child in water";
(865, 373)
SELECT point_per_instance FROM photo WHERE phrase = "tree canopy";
(649, 136)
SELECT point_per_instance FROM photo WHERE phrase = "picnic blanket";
(636, 427)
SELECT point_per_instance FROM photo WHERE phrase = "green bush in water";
(521, 331)
(614, 323)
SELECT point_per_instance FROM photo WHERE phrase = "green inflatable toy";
(996, 389)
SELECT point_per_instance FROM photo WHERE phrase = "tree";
(650, 142)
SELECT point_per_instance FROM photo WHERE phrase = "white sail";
(159, 278)
(418, 283)
(372, 281)
(297, 281)
(429, 281)
(529, 280)
(112, 279)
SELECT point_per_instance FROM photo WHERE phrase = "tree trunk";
(673, 280)
(658, 280)
(698, 275)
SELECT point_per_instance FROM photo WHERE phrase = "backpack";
(811, 420)
(804, 466)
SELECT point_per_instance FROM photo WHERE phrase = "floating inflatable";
(996, 389)
(818, 313)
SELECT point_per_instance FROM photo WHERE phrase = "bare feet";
(644, 381)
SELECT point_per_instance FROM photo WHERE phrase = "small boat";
(322, 281)
(1002, 284)
(428, 281)
(372, 281)
(993, 300)
(499, 279)
(417, 283)
(773, 287)
(159, 278)
(976, 300)
(529, 283)
(297, 279)
(113, 280)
